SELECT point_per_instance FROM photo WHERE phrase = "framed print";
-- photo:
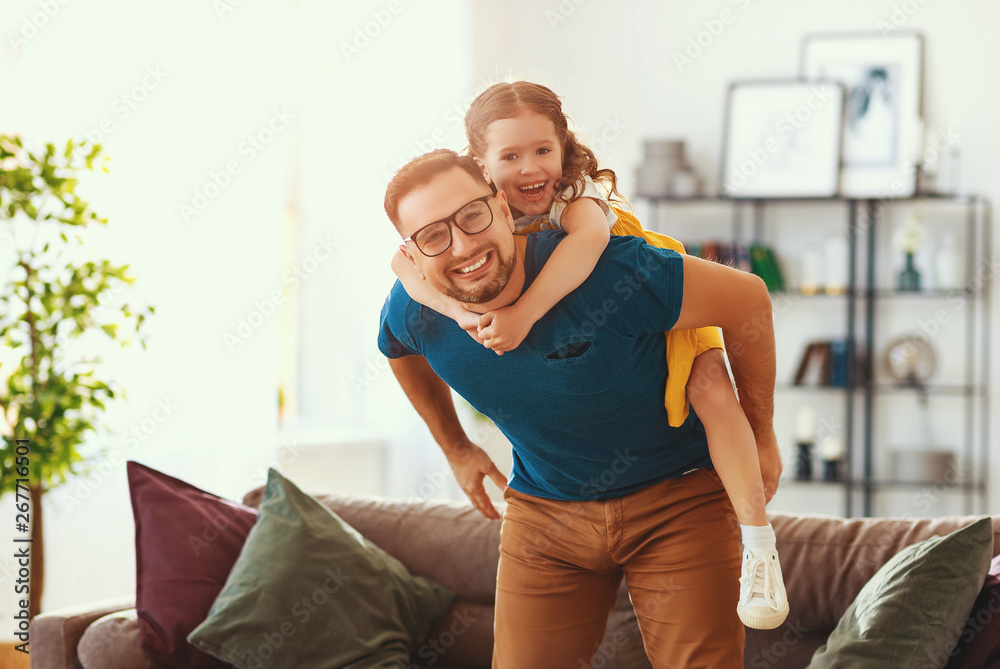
(882, 75)
(782, 139)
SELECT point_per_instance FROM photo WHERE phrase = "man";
(602, 487)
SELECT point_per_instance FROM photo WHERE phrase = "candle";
(832, 448)
(805, 431)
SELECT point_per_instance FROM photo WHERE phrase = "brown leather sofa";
(825, 561)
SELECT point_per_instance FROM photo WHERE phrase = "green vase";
(909, 276)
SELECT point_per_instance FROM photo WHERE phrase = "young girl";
(519, 136)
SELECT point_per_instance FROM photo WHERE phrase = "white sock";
(758, 538)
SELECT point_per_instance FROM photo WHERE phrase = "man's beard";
(489, 291)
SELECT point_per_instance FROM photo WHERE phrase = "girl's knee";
(709, 382)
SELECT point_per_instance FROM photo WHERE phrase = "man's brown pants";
(676, 543)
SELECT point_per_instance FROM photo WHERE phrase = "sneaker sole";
(762, 620)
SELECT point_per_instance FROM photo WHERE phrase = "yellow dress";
(683, 346)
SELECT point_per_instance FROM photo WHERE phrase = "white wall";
(614, 66)
(201, 411)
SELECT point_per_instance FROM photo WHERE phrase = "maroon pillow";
(186, 542)
(979, 645)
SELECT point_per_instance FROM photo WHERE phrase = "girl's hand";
(503, 329)
(469, 321)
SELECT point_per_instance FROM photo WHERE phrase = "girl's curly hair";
(507, 100)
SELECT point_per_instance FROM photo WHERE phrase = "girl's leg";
(730, 439)
(763, 603)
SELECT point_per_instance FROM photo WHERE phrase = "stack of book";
(755, 258)
(827, 363)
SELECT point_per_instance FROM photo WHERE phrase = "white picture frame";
(883, 127)
(782, 139)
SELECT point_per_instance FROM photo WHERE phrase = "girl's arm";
(571, 263)
(418, 289)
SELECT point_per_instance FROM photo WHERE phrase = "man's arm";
(431, 397)
(738, 302)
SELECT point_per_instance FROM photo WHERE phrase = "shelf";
(931, 389)
(957, 485)
(791, 387)
(859, 314)
(887, 389)
(813, 482)
(797, 292)
(936, 293)
(883, 293)
(949, 197)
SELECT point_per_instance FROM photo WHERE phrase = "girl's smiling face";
(524, 159)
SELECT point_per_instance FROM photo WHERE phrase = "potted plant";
(51, 294)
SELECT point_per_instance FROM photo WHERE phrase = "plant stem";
(36, 582)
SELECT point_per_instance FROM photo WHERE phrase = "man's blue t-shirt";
(581, 399)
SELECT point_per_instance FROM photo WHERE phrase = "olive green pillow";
(912, 611)
(308, 591)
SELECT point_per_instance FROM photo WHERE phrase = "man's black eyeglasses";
(435, 238)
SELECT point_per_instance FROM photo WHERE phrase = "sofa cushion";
(847, 552)
(305, 573)
(979, 647)
(912, 611)
(113, 642)
(423, 535)
(186, 541)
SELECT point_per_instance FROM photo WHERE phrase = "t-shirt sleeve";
(589, 190)
(639, 288)
(394, 338)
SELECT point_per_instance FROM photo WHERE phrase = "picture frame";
(782, 139)
(883, 127)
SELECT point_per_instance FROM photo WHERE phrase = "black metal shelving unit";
(861, 299)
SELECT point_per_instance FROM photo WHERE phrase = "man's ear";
(486, 175)
(406, 254)
(505, 209)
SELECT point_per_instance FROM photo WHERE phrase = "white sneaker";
(763, 602)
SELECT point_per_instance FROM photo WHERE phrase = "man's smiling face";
(475, 268)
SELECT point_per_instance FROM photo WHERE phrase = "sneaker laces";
(758, 574)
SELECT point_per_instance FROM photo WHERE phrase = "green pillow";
(912, 611)
(309, 591)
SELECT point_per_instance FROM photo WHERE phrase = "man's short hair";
(421, 171)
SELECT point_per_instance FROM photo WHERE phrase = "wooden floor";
(10, 658)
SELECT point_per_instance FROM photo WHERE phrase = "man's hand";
(504, 329)
(770, 463)
(470, 464)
